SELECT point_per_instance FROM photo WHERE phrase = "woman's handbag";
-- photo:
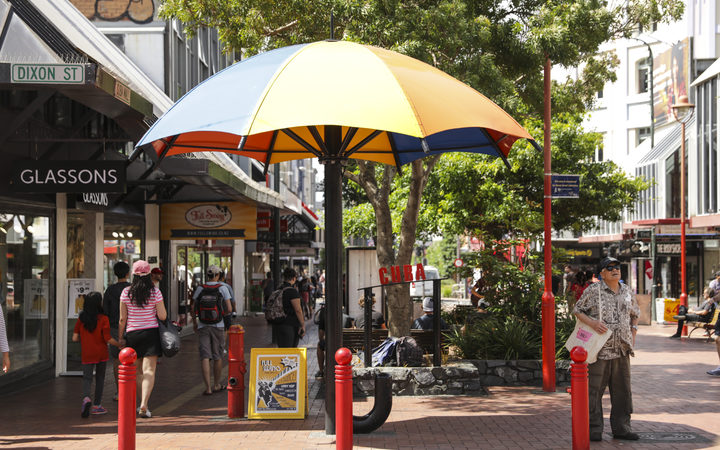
(588, 338)
(169, 338)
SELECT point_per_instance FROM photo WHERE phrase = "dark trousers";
(615, 375)
(99, 380)
(286, 336)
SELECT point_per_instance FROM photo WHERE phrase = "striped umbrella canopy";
(390, 108)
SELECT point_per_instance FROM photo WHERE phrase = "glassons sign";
(68, 176)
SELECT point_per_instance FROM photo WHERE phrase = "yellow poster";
(278, 383)
(671, 309)
(210, 220)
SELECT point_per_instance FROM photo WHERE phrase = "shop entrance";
(190, 261)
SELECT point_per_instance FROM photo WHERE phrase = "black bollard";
(381, 409)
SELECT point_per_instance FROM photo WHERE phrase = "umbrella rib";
(497, 148)
(360, 144)
(302, 142)
(318, 139)
(271, 149)
(221, 149)
(393, 147)
(348, 137)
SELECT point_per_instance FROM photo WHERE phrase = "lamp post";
(682, 111)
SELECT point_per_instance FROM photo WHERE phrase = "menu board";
(278, 383)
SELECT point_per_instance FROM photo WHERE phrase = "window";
(118, 40)
(672, 185)
(641, 134)
(643, 75)
(600, 94)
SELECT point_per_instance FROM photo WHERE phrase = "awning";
(669, 141)
(86, 37)
(710, 72)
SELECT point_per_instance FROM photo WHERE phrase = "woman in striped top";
(141, 305)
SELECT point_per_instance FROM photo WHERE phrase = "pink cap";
(141, 268)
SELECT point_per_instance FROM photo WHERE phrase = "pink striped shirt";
(141, 318)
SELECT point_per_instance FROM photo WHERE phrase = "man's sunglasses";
(613, 267)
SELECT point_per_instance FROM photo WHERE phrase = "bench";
(354, 338)
(707, 326)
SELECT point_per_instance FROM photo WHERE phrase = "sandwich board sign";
(278, 383)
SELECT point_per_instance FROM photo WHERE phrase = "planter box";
(467, 377)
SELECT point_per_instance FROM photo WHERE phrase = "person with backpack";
(284, 312)
(211, 302)
(111, 306)
(93, 331)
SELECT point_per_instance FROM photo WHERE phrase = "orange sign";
(210, 220)
(672, 306)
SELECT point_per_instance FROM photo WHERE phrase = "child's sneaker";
(98, 409)
(85, 410)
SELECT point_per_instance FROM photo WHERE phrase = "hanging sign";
(401, 274)
(216, 220)
(565, 186)
(77, 289)
(278, 383)
(68, 176)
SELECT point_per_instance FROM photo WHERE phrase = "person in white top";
(141, 305)
(4, 347)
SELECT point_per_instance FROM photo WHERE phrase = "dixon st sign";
(48, 73)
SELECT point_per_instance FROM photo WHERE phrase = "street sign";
(565, 186)
(48, 73)
(458, 262)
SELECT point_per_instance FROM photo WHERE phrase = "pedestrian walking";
(141, 306)
(288, 332)
(212, 302)
(620, 313)
(111, 308)
(93, 331)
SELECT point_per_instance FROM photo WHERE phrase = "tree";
(496, 47)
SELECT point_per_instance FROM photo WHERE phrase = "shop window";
(25, 287)
(121, 242)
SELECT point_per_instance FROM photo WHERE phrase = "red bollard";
(343, 400)
(580, 402)
(126, 399)
(236, 372)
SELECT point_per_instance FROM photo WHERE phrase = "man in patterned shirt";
(612, 369)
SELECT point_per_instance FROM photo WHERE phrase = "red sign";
(458, 262)
(400, 274)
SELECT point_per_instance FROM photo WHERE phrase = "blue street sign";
(565, 186)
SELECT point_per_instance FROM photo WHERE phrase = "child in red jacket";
(93, 331)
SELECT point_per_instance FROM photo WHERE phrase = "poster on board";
(77, 288)
(35, 292)
(278, 383)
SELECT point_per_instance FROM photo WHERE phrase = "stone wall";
(460, 377)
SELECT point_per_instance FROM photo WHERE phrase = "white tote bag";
(587, 338)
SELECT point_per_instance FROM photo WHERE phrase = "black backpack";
(408, 352)
(209, 304)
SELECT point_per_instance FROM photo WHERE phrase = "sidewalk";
(676, 407)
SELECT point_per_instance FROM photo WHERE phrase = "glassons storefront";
(25, 258)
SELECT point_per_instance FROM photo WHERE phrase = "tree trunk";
(378, 193)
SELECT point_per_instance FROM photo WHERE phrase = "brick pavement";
(672, 394)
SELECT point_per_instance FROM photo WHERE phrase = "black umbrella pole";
(333, 253)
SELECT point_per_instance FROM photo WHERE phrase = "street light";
(682, 111)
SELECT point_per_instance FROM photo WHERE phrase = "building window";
(672, 185)
(706, 111)
(118, 40)
(641, 134)
(643, 76)
(600, 94)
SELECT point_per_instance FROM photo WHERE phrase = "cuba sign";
(402, 274)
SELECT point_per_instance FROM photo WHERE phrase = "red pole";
(579, 393)
(683, 268)
(126, 399)
(548, 299)
(343, 400)
(236, 372)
